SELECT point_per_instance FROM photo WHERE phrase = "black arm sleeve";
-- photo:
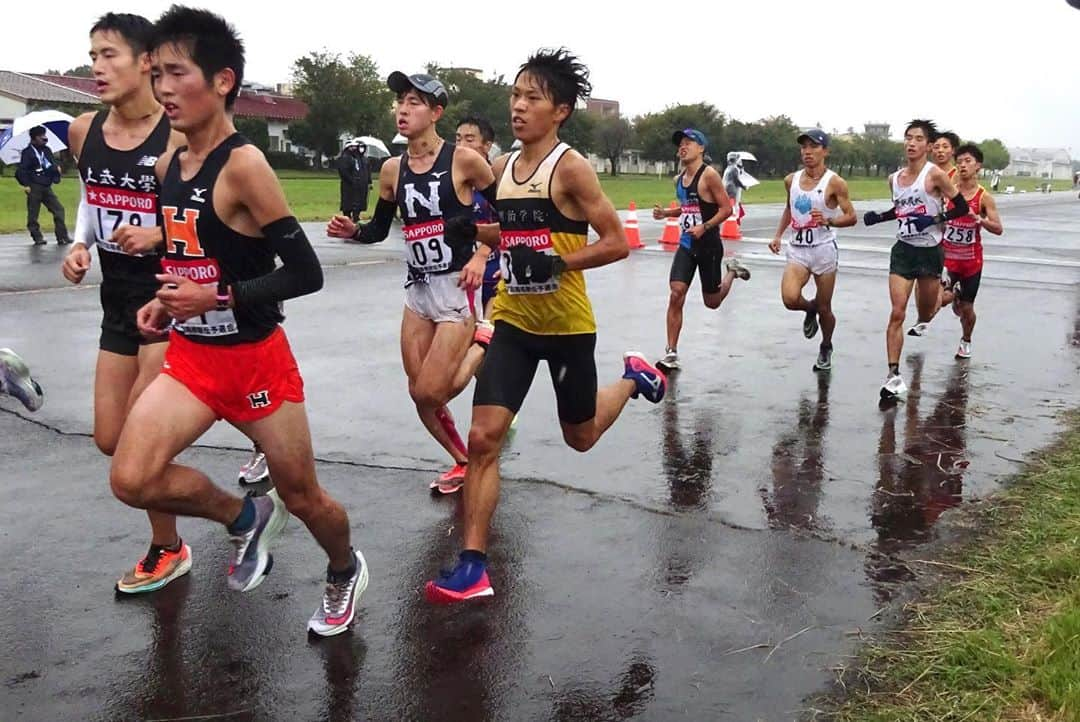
(379, 228)
(490, 192)
(889, 215)
(300, 272)
(959, 210)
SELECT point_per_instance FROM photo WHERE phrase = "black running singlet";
(426, 200)
(121, 189)
(706, 210)
(199, 246)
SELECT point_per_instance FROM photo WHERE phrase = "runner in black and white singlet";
(432, 185)
(703, 206)
(117, 150)
(817, 203)
(919, 191)
(225, 221)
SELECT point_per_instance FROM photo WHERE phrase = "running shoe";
(483, 332)
(670, 362)
(650, 381)
(468, 580)
(741, 271)
(964, 351)
(919, 329)
(810, 324)
(252, 559)
(894, 387)
(338, 607)
(15, 379)
(255, 471)
(159, 567)
(824, 359)
(451, 481)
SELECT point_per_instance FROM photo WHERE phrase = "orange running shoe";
(159, 567)
(450, 481)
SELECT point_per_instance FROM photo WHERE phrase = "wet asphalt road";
(650, 578)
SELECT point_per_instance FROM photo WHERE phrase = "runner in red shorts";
(963, 243)
(226, 220)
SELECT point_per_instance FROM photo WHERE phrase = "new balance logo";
(197, 195)
(259, 400)
(148, 160)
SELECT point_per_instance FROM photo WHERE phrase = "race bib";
(538, 240)
(425, 246)
(690, 217)
(205, 272)
(960, 235)
(114, 207)
(802, 235)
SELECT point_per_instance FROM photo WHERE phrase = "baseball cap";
(399, 82)
(695, 135)
(815, 134)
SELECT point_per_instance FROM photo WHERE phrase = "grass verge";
(995, 631)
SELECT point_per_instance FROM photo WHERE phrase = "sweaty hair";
(972, 150)
(211, 42)
(560, 75)
(486, 131)
(953, 138)
(926, 126)
(137, 31)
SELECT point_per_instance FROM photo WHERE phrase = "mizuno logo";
(197, 195)
(535, 187)
(440, 174)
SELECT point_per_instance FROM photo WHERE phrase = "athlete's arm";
(715, 184)
(944, 185)
(847, 217)
(872, 217)
(785, 216)
(78, 259)
(579, 184)
(991, 221)
(385, 208)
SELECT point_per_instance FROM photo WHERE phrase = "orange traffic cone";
(671, 230)
(633, 233)
(730, 229)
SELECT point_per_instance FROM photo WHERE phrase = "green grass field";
(313, 195)
(998, 637)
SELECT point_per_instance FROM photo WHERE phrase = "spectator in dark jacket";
(355, 177)
(37, 172)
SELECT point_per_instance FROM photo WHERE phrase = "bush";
(280, 160)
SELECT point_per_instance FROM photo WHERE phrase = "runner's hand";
(697, 231)
(341, 227)
(183, 298)
(657, 213)
(472, 275)
(76, 263)
(152, 319)
(818, 217)
(774, 245)
(137, 239)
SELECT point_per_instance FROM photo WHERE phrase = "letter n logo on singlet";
(184, 232)
(431, 203)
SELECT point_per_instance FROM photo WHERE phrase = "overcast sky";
(982, 68)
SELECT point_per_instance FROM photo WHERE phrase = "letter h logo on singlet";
(259, 400)
(184, 232)
(431, 203)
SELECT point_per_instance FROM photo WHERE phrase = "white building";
(1051, 163)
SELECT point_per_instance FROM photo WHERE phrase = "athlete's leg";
(792, 283)
(610, 402)
(676, 301)
(431, 354)
(826, 284)
(490, 425)
(715, 282)
(285, 438)
(899, 295)
(967, 318)
(927, 297)
(166, 419)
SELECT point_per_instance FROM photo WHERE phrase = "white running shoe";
(919, 329)
(670, 362)
(894, 387)
(964, 351)
(255, 470)
(15, 380)
(338, 607)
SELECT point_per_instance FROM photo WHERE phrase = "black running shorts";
(707, 260)
(969, 286)
(120, 302)
(510, 365)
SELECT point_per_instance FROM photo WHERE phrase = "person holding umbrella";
(37, 172)
(355, 178)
